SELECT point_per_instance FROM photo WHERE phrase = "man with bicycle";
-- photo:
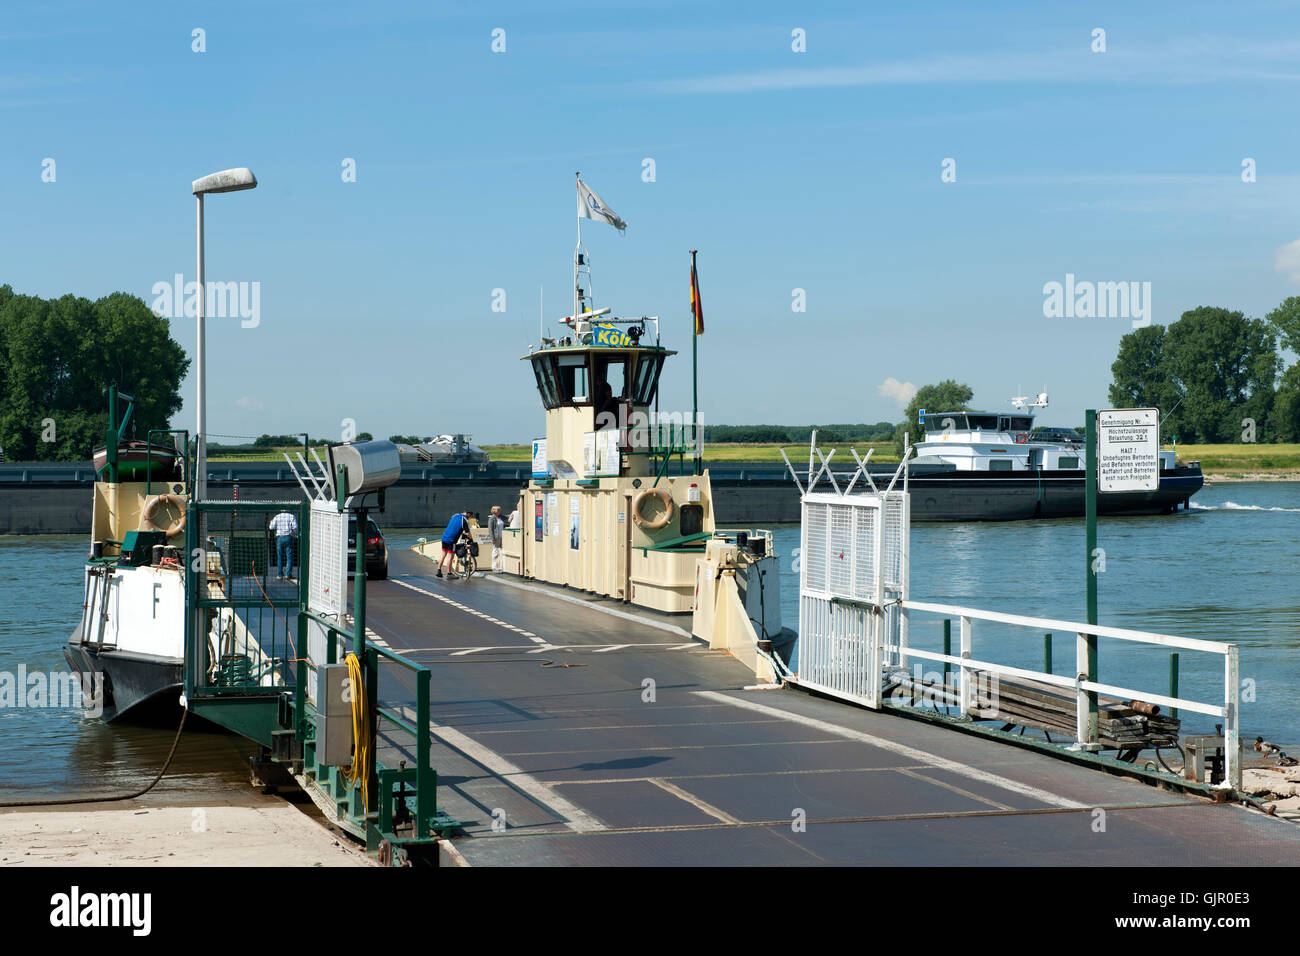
(456, 527)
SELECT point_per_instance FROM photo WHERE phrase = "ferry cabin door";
(1035, 459)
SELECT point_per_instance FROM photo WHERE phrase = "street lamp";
(226, 181)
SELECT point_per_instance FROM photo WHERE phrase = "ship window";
(1000, 464)
(1021, 424)
(546, 381)
(986, 422)
(573, 378)
(647, 377)
(1067, 461)
(614, 372)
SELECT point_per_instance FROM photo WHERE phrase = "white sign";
(1128, 449)
(541, 468)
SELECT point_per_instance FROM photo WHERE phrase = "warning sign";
(1128, 449)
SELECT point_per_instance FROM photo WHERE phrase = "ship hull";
(137, 687)
(1012, 496)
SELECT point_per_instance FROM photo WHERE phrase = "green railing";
(389, 810)
(239, 630)
(248, 667)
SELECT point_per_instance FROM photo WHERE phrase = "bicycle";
(463, 565)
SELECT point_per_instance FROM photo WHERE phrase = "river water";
(1228, 570)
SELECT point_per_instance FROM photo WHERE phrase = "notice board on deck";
(1128, 449)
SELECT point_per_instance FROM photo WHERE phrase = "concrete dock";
(567, 736)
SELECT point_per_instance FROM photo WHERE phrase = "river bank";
(247, 829)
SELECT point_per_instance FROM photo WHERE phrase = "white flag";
(591, 206)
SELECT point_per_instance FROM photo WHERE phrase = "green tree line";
(57, 358)
(1215, 374)
(770, 434)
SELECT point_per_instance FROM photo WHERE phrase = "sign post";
(1087, 724)
(1123, 454)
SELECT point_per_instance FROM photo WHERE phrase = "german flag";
(697, 310)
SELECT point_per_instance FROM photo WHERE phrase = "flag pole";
(577, 185)
(695, 370)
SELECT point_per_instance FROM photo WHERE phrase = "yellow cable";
(360, 769)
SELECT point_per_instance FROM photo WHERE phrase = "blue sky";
(817, 170)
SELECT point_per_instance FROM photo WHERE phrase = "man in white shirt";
(496, 525)
(285, 528)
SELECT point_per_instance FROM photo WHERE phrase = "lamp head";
(226, 181)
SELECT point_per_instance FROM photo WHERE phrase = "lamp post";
(226, 181)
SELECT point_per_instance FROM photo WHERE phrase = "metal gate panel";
(853, 572)
(327, 582)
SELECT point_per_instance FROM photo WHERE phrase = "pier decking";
(552, 750)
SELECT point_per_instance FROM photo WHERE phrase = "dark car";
(376, 549)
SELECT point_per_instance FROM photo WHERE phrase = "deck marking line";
(610, 647)
(662, 625)
(913, 753)
(468, 610)
(576, 819)
(955, 789)
(693, 800)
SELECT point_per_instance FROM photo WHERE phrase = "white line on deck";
(912, 753)
(467, 609)
(611, 647)
(693, 800)
(574, 818)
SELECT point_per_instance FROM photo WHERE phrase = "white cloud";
(1181, 61)
(249, 404)
(900, 392)
(1287, 260)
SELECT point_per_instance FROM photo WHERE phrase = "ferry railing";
(239, 630)
(1085, 690)
(387, 784)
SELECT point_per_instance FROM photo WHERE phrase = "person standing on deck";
(496, 525)
(285, 528)
(458, 525)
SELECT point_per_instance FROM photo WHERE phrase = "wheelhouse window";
(546, 384)
(610, 381)
(982, 422)
(938, 421)
(572, 373)
(646, 379)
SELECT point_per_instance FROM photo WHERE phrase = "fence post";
(1081, 710)
(1173, 681)
(1231, 732)
(965, 671)
(947, 648)
(1047, 653)
(426, 786)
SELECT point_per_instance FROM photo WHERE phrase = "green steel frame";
(281, 717)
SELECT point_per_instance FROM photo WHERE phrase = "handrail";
(1043, 623)
(1086, 729)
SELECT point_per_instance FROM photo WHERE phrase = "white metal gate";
(853, 574)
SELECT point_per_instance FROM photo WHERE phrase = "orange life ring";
(664, 517)
(151, 509)
(1022, 438)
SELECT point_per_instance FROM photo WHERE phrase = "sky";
(914, 175)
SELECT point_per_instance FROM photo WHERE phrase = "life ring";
(151, 509)
(1021, 438)
(664, 517)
